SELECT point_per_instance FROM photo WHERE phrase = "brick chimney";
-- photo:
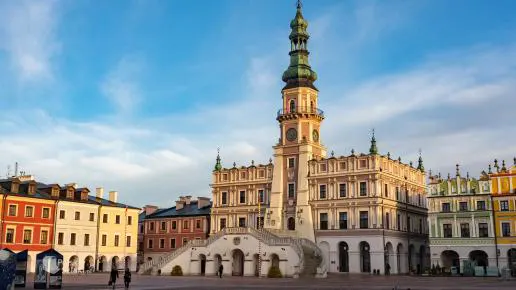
(24, 178)
(180, 203)
(149, 209)
(113, 196)
(203, 202)
(99, 192)
(186, 199)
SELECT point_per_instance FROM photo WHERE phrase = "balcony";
(296, 112)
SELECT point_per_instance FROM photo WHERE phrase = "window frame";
(15, 210)
(45, 242)
(343, 223)
(291, 195)
(73, 239)
(31, 207)
(321, 195)
(86, 240)
(60, 238)
(364, 223)
(224, 198)
(291, 162)
(43, 209)
(223, 223)
(13, 235)
(62, 214)
(504, 208)
(323, 223)
(464, 230)
(364, 193)
(31, 236)
(77, 216)
(504, 233)
(242, 195)
(343, 189)
(172, 243)
(447, 228)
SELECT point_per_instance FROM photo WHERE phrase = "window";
(43, 237)
(261, 173)
(242, 175)
(198, 224)
(92, 217)
(322, 167)
(504, 205)
(464, 230)
(363, 188)
(387, 221)
(225, 177)
(342, 190)
(117, 219)
(72, 239)
(86, 239)
(322, 191)
(397, 193)
(409, 225)
(261, 196)
(129, 220)
(342, 166)
(128, 241)
(463, 206)
(185, 241)
(398, 221)
(27, 236)
(77, 215)
(242, 196)
(62, 214)
(364, 219)
(224, 199)
(292, 106)
(151, 244)
(291, 162)
(9, 236)
(105, 218)
(29, 211)
(483, 231)
(174, 225)
(12, 209)
(241, 222)
(481, 205)
(60, 238)
(151, 226)
(117, 240)
(163, 226)
(506, 229)
(323, 221)
(46, 213)
(222, 223)
(447, 230)
(291, 190)
(363, 163)
(386, 190)
(445, 207)
(259, 222)
(420, 226)
(185, 225)
(343, 220)
(161, 243)
(104, 240)
(172, 243)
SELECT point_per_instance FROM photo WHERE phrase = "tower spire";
(299, 73)
(218, 166)
(373, 150)
(420, 162)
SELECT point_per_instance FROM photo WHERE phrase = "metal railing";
(301, 110)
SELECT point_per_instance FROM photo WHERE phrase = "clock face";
(315, 135)
(291, 134)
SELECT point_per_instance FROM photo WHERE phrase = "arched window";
(312, 108)
(292, 106)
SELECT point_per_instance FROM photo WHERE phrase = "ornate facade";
(460, 219)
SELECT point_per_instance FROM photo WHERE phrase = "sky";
(136, 96)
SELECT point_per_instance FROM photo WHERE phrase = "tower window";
(292, 106)
(291, 162)
(291, 190)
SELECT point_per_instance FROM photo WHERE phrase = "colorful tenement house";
(171, 228)
(503, 184)
(146, 210)
(460, 219)
(360, 213)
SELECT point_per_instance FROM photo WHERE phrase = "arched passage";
(102, 264)
(511, 261)
(202, 264)
(389, 258)
(291, 224)
(343, 257)
(400, 265)
(237, 263)
(114, 262)
(88, 263)
(127, 262)
(479, 258)
(421, 264)
(274, 261)
(73, 264)
(450, 259)
(411, 258)
(365, 257)
(217, 261)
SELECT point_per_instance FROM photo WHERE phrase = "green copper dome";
(299, 73)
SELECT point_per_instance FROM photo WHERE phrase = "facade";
(147, 210)
(118, 233)
(169, 229)
(460, 219)
(27, 218)
(503, 183)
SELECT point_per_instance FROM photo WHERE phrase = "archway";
(450, 259)
(291, 224)
(365, 257)
(511, 261)
(411, 257)
(88, 264)
(343, 257)
(73, 264)
(202, 264)
(217, 261)
(479, 258)
(389, 257)
(237, 263)
(102, 263)
(274, 261)
(114, 262)
(399, 260)
(127, 262)
(421, 265)
(257, 266)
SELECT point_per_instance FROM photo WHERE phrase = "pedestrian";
(387, 269)
(221, 269)
(127, 278)
(112, 277)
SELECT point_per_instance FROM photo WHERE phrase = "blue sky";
(136, 96)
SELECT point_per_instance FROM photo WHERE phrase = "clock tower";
(299, 121)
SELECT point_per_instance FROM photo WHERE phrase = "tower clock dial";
(315, 135)
(291, 134)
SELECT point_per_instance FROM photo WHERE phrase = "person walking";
(127, 278)
(221, 270)
(387, 269)
(112, 277)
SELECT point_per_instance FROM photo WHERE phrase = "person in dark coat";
(127, 278)
(112, 277)
(221, 270)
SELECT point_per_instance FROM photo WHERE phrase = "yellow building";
(118, 233)
(503, 184)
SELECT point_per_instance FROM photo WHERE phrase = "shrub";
(274, 272)
(177, 271)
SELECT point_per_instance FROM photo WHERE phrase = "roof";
(188, 210)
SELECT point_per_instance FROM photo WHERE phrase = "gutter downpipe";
(2, 220)
(494, 232)
(97, 238)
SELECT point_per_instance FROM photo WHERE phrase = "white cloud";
(28, 35)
